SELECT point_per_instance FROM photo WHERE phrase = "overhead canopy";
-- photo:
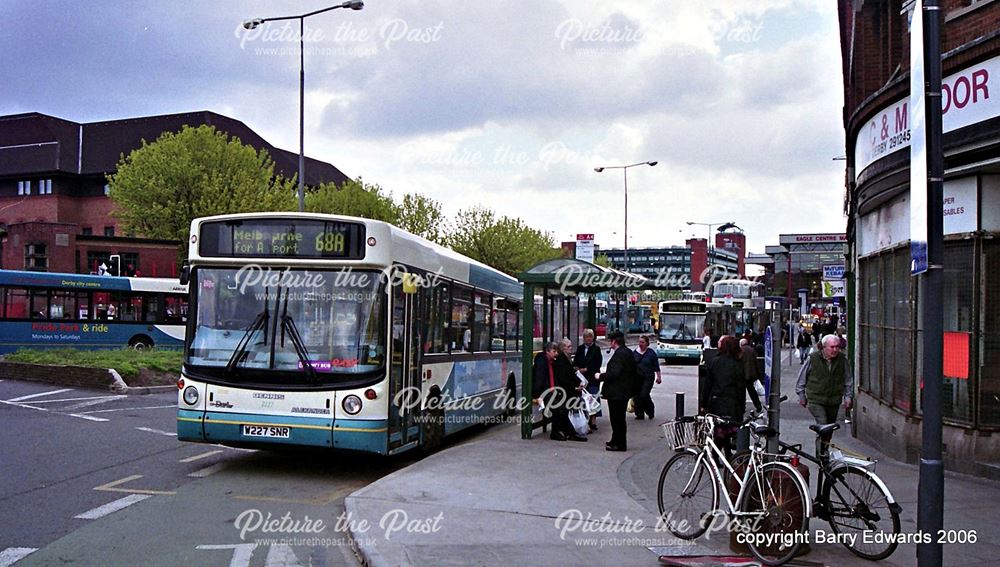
(571, 274)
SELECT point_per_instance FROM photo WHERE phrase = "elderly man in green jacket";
(825, 383)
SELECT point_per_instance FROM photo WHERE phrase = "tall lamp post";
(624, 169)
(254, 23)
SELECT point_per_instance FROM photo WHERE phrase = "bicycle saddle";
(764, 431)
(828, 428)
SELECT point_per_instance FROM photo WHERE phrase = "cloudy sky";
(508, 104)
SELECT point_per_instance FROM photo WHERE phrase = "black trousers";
(616, 414)
(643, 402)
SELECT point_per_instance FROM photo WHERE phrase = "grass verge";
(127, 362)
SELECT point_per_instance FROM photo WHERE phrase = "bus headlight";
(351, 404)
(190, 395)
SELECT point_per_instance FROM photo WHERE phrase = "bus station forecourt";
(496, 499)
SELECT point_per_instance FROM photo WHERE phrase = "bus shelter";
(560, 301)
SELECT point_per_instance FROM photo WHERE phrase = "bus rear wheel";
(140, 342)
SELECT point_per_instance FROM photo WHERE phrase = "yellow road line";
(113, 487)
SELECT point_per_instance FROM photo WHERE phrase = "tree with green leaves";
(603, 261)
(504, 243)
(422, 216)
(353, 198)
(161, 186)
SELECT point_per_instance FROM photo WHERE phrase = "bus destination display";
(283, 238)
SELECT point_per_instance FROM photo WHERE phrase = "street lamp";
(254, 23)
(624, 169)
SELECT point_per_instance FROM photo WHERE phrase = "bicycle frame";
(711, 454)
(828, 467)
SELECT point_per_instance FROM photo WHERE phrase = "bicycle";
(852, 498)
(771, 509)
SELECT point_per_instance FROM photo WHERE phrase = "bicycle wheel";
(855, 504)
(686, 495)
(780, 520)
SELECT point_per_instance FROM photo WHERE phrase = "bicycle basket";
(680, 433)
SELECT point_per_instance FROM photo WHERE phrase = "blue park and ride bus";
(682, 328)
(44, 310)
(340, 332)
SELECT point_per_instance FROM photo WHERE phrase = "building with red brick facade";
(885, 341)
(55, 214)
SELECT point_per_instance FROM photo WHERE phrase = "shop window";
(958, 309)
(989, 367)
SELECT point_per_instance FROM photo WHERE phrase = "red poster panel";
(956, 355)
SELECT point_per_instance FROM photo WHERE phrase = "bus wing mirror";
(185, 273)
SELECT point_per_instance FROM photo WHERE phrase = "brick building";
(875, 46)
(55, 214)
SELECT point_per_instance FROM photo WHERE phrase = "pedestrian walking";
(803, 343)
(648, 368)
(826, 382)
(619, 382)
(724, 391)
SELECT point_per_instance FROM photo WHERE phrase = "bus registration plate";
(266, 431)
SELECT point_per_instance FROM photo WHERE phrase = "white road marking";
(20, 405)
(201, 456)
(202, 473)
(242, 552)
(12, 555)
(111, 507)
(89, 403)
(126, 409)
(39, 395)
(75, 399)
(161, 432)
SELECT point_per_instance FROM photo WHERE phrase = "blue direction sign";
(768, 362)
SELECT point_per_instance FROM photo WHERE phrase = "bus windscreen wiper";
(288, 326)
(240, 352)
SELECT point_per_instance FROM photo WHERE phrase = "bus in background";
(682, 328)
(601, 328)
(736, 304)
(44, 310)
(695, 296)
(340, 332)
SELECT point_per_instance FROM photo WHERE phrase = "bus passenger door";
(404, 381)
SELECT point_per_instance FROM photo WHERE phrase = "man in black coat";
(619, 385)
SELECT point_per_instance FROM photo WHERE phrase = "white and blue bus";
(682, 328)
(735, 305)
(340, 332)
(44, 310)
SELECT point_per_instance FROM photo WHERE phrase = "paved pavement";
(497, 499)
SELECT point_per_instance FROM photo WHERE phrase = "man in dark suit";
(588, 361)
(619, 385)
